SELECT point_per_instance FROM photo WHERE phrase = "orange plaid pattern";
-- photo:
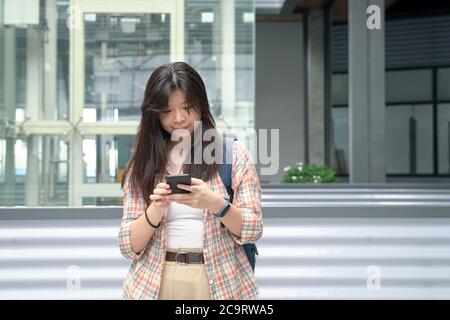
(229, 272)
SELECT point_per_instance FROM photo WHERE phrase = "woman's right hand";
(159, 197)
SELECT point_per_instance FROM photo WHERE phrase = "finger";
(162, 191)
(155, 197)
(195, 181)
(163, 185)
(184, 187)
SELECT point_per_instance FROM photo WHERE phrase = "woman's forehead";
(177, 97)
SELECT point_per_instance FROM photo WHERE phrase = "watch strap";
(224, 210)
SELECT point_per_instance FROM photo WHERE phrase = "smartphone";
(175, 179)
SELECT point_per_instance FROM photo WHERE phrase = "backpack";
(225, 174)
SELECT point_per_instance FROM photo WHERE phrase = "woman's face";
(178, 115)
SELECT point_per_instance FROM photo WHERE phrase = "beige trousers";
(184, 282)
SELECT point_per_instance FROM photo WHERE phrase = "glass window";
(339, 89)
(2, 160)
(115, 151)
(87, 62)
(34, 171)
(444, 137)
(21, 65)
(220, 45)
(409, 136)
(62, 60)
(2, 69)
(408, 85)
(245, 84)
(339, 150)
(409, 139)
(444, 84)
(203, 46)
(121, 51)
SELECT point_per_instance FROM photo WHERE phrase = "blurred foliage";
(309, 173)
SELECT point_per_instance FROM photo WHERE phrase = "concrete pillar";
(366, 93)
(50, 60)
(316, 87)
(32, 184)
(102, 159)
(76, 176)
(10, 172)
(35, 72)
(228, 72)
(8, 83)
(34, 99)
(50, 144)
(76, 105)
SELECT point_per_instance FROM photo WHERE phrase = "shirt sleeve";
(247, 195)
(133, 208)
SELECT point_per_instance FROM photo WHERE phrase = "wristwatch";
(224, 210)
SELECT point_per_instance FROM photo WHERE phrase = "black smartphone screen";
(175, 179)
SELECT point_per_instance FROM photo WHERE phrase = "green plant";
(309, 173)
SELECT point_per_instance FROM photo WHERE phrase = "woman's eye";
(166, 111)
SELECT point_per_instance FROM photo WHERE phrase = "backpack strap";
(226, 167)
(225, 174)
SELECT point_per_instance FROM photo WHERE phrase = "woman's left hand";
(200, 195)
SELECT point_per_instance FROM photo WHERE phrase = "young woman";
(179, 247)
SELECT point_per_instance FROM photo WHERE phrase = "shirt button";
(211, 281)
(205, 250)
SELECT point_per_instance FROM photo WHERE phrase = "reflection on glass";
(444, 84)
(212, 32)
(203, 46)
(245, 82)
(62, 63)
(339, 149)
(409, 136)
(105, 157)
(2, 70)
(121, 51)
(339, 89)
(444, 138)
(408, 85)
(46, 184)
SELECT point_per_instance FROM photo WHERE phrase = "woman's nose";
(179, 116)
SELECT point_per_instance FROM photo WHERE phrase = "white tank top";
(184, 226)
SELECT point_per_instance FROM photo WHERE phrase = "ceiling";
(268, 7)
(293, 9)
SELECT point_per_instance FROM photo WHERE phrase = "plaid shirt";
(229, 272)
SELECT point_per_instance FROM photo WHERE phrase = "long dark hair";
(149, 160)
